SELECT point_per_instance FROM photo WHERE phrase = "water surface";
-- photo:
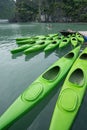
(18, 71)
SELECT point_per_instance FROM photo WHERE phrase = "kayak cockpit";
(59, 38)
(84, 56)
(77, 77)
(74, 38)
(54, 42)
(52, 73)
(69, 55)
(65, 40)
(42, 43)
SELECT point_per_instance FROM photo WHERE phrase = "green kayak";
(27, 41)
(21, 48)
(39, 37)
(56, 37)
(74, 41)
(71, 95)
(80, 38)
(46, 37)
(53, 44)
(41, 45)
(24, 47)
(64, 42)
(40, 88)
(49, 38)
(21, 39)
(30, 39)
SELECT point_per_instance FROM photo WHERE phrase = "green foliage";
(25, 11)
(57, 10)
(83, 17)
(75, 9)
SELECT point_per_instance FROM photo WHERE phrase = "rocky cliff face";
(7, 9)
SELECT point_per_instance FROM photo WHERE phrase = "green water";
(18, 71)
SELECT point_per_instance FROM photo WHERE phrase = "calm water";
(18, 71)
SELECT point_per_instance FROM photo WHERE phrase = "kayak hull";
(71, 95)
(40, 88)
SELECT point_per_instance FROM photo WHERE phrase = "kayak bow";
(74, 41)
(80, 38)
(21, 48)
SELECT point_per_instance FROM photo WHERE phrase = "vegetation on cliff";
(44, 10)
(51, 10)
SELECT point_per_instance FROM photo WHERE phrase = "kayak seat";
(68, 100)
(69, 55)
(84, 56)
(77, 77)
(52, 73)
(33, 92)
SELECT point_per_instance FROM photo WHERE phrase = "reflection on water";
(18, 71)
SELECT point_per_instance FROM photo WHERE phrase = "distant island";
(44, 10)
